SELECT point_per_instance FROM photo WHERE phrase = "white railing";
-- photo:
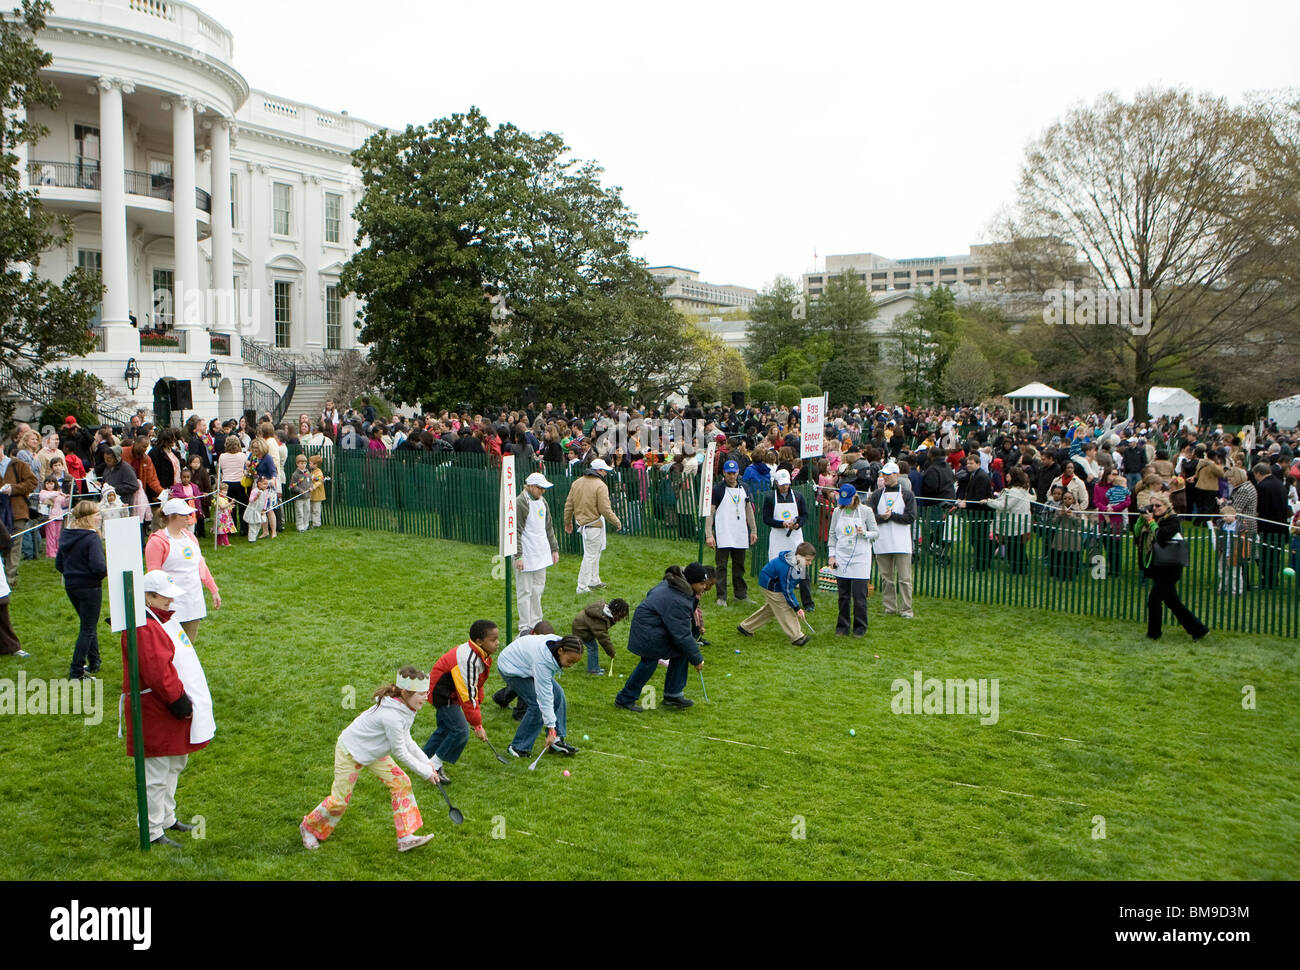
(279, 108)
(329, 121)
(176, 21)
(154, 8)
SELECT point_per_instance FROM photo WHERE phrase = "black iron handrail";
(85, 175)
(39, 389)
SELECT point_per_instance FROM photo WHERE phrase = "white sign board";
(509, 528)
(124, 555)
(812, 426)
(706, 481)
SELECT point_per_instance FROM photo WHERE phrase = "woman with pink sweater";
(176, 551)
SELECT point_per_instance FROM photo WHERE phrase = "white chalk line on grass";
(709, 737)
(1048, 736)
(611, 754)
(912, 862)
(1019, 794)
(534, 836)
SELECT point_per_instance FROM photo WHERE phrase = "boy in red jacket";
(456, 694)
(176, 715)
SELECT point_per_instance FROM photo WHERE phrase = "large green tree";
(776, 322)
(843, 315)
(40, 320)
(925, 337)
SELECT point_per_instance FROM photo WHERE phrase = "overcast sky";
(746, 136)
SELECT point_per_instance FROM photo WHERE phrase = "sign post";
(508, 529)
(706, 492)
(812, 426)
(126, 602)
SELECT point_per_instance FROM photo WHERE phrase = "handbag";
(1173, 553)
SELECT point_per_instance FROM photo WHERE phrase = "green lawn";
(1190, 785)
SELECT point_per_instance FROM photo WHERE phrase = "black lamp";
(132, 375)
(211, 373)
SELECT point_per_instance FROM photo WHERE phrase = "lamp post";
(132, 375)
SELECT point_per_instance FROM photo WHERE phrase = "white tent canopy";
(1285, 411)
(1169, 402)
(1037, 397)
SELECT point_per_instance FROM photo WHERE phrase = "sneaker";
(442, 777)
(22, 653)
(722, 602)
(559, 747)
(705, 643)
(583, 591)
(682, 702)
(743, 632)
(525, 755)
(598, 672)
(408, 842)
(309, 841)
(180, 827)
(810, 608)
(800, 642)
(905, 616)
(599, 585)
(163, 840)
(633, 707)
(93, 669)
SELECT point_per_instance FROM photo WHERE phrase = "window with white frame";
(93, 261)
(87, 139)
(234, 200)
(164, 299)
(333, 217)
(333, 319)
(281, 208)
(283, 312)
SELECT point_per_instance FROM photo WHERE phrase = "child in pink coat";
(53, 503)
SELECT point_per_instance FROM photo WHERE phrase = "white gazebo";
(1285, 411)
(1037, 397)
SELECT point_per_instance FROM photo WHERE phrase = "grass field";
(1094, 720)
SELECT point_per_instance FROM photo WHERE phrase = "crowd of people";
(888, 478)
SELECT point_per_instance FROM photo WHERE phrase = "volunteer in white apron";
(853, 530)
(176, 551)
(895, 510)
(784, 512)
(731, 531)
(538, 549)
(175, 703)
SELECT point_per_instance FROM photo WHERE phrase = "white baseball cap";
(599, 466)
(537, 478)
(890, 468)
(781, 477)
(177, 506)
(157, 581)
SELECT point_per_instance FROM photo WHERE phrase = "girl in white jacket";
(370, 742)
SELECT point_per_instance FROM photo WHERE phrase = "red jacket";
(452, 675)
(164, 732)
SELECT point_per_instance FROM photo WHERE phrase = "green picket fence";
(1075, 568)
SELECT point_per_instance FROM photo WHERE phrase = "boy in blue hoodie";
(780, 581)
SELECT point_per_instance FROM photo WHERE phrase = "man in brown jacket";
(591, 626)
(588, 507)
(16, 483)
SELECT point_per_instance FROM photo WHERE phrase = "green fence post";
(137, 721)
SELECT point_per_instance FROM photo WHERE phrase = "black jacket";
(769, 509)
(662, 625)
(938, 480)
(1271, 505)
(80, 558)
(979, 487)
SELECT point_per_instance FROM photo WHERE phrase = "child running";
(370, 742)
(456, 694)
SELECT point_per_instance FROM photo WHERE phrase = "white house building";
(218, 216)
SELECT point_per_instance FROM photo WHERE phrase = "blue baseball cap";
(847, 493)
(730, 466)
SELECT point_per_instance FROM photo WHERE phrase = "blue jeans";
(1133, 479)
(674, 680)
(448, 741)
(86, 600)
(532, 723)
(593, 656)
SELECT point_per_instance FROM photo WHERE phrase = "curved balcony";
(80, 175)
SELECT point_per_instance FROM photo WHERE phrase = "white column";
(185, 232)
(223, 260)
(119, 335)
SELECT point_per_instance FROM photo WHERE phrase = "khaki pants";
(774, 607)
(160, 777)
(529, 596)
(896, 566)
